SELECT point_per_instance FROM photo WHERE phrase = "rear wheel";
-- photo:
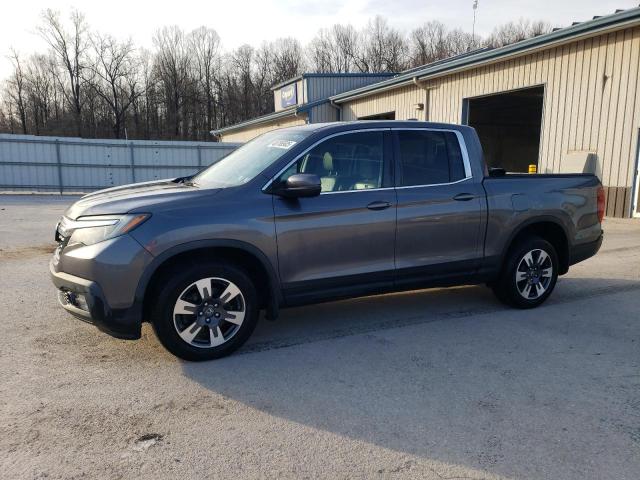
(206, 312)
(529, 274)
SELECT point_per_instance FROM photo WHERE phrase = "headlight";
(94, 229)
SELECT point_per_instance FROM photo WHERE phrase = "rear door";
(341, 242)
(439, 207)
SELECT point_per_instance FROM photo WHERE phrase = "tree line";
(90, 84)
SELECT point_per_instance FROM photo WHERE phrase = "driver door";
(340, 243)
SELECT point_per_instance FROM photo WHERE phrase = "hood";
(137, 196)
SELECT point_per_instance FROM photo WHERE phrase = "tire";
(205, 311)
(523, 284)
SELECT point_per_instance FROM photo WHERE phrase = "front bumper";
(120, 323)
(98, 283)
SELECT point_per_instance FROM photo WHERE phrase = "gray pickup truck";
(314, 213)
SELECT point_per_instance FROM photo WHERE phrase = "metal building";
(300, 100)
(565, 101)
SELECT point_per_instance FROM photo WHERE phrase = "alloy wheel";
(209, 312)
(534, 274)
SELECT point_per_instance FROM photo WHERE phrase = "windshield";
(245, 163)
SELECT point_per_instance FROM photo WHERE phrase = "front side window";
(429, 157)
(353, 161)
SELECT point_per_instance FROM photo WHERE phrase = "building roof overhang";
(596, 26)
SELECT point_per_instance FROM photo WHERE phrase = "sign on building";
(288, 95)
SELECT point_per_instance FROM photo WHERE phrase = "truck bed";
(513, 200)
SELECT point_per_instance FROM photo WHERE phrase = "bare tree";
(205, 47)
(187, 85)
(346, 41)
(262, 75)
(513, 32)
(145, 108)
(242, 61)
(172, 65)
(428, 43)
(41, 90)
(319, 52)
(287, 57)
(333, 50)
(459, 42)
(114, 80)
(5, 122)
(17, 90)
(69, 47)
(382, 48)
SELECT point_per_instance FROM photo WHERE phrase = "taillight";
(601, 202)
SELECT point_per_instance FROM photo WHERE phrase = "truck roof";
(354, 125)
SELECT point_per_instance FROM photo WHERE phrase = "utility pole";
(473, 31)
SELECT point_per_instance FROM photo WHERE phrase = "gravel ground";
(437, 384)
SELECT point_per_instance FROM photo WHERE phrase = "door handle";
(464, 197)
(378, 205)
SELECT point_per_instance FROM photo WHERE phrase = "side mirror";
(300, 185)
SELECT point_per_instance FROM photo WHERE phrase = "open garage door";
(509, 126)
(380, 116)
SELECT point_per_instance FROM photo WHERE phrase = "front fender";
(275, 292)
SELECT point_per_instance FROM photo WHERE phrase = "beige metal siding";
(591, 103)
(248, 133)
(402, 101)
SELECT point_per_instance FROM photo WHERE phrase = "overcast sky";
(241, 21)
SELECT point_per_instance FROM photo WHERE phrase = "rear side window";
(429, 157)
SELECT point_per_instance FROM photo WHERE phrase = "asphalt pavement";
(435, 384)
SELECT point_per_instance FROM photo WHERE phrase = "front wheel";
(529, 274)
(205, 312)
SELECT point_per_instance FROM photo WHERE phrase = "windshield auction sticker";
(284, 144)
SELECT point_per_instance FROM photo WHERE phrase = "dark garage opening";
(380, 116)
(509, 126)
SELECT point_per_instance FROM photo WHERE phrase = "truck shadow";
(466, 381)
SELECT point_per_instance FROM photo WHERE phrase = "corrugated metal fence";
(68, 165)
